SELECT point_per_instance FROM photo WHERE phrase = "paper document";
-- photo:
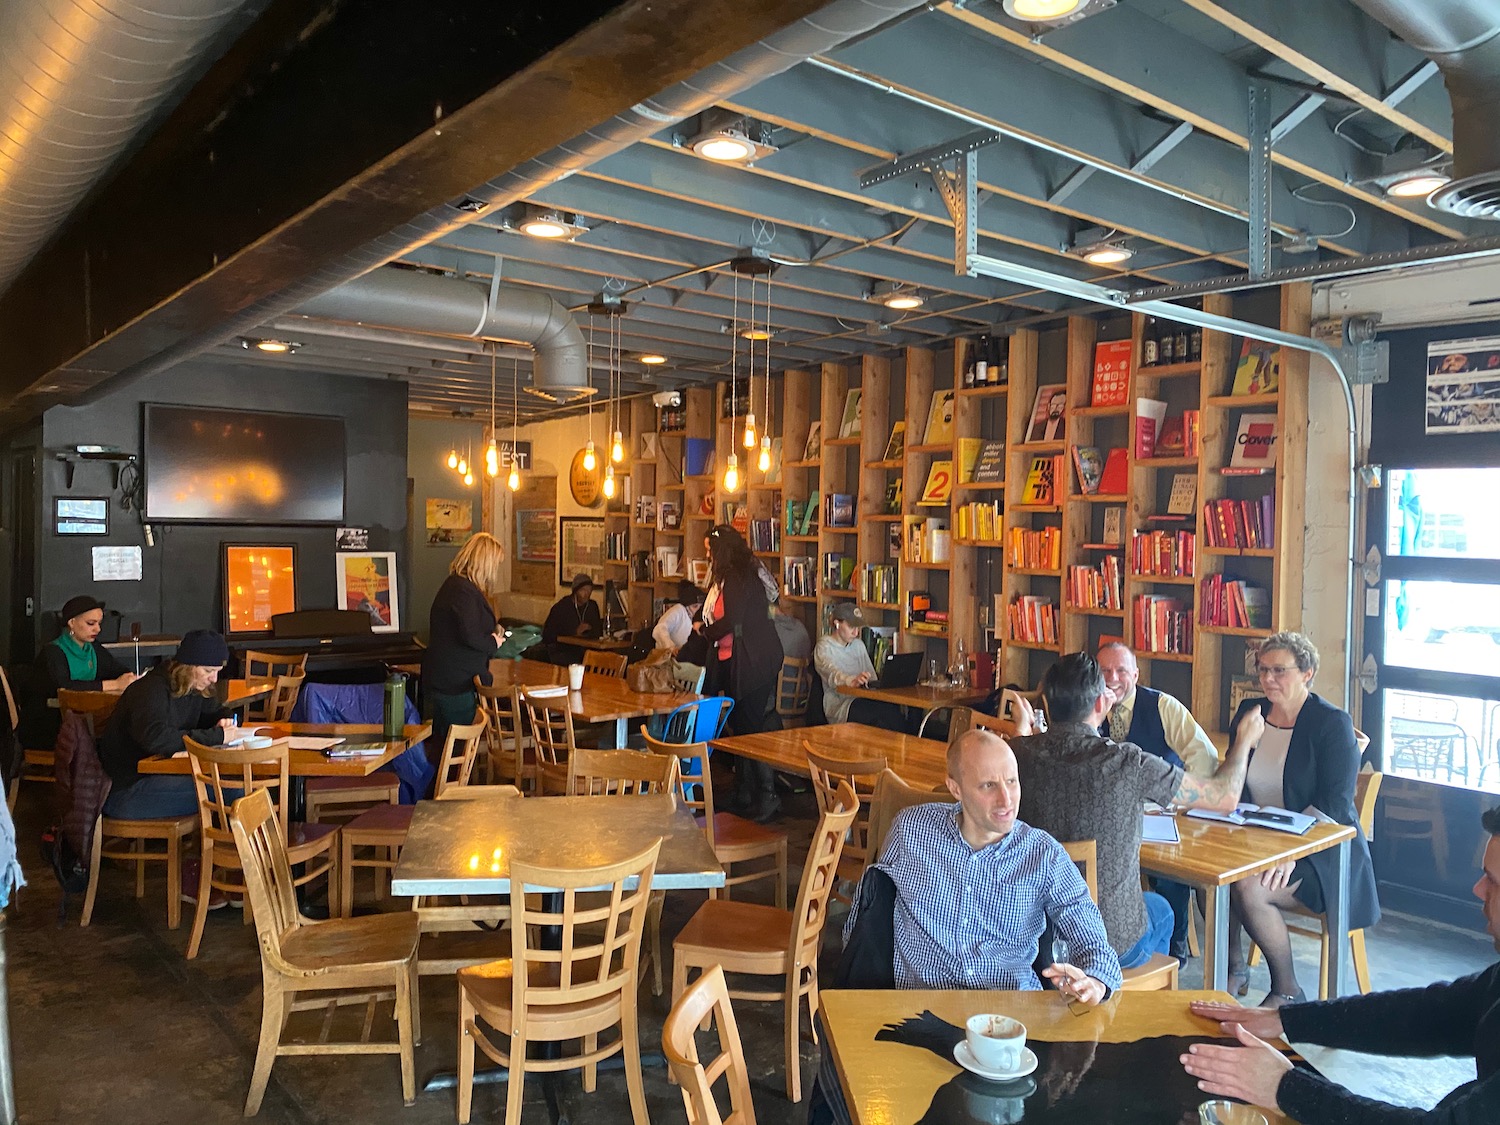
(547, 692)
(1261, 816)
(302, 742)
(1157, 829)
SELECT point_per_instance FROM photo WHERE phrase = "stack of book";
(765, 536)
(1162, 625)
(1032, 619)
(927, 540)
(1233, 603)
(838, 510)
(799, 577)
(1097, 587)
(838, 571)
(617, 546)
(1033, 550)
(640, 566)
(880, 642)
(802, 516)
(1169, 554)
(978, 521)
(1240, 523)
(878, 584)
(922, 618)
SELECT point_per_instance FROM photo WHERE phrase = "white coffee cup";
(997, 1042)
(575, 676)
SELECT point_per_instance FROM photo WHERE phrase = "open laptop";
(901, 670)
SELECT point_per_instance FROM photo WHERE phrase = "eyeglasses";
(1275, 671)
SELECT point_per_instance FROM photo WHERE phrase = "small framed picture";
(366, 580)
(81, 515)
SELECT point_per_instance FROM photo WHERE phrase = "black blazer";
(460, 640)
(1322, 762)
(39, 722)
(757, 644)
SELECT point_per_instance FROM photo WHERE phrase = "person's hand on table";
(1274, 878)
(499, 635)
(1075, 984)
(1252, 1072)
(1264, 1022)
(863, 678)
(226, 724)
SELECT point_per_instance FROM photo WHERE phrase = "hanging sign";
(584, 483)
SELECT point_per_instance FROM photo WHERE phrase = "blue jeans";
(154, 797)
(1158, 934)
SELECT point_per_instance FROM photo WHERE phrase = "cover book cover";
(990, 468)
(1048, 421)
(895, 448)
(1149, 413)
(1259, 369)
(1255, 444)
(939, 419)
(814, 448)
(1113, 480)
(850, 426)
(939, 484)
(1040, 487)
(1184, 494)
(1090, 465)
(1111, 386)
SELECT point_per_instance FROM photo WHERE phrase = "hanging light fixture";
(513, 480)
(732, 462)
(453, 458)
(492, 454)
(609, 482)
(616, 379)
(589, 460)
(763, 463)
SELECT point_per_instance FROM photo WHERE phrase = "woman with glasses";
(1307, 761)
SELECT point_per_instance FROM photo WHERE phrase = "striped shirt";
(972, 919)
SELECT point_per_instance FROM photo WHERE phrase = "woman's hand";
(1250, 727)
(1274, 878)
(499, 636)
(120, 683)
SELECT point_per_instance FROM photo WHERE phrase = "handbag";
(652, 675)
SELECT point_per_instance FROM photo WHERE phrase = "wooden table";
(921, 762)
(598, 644)
(315, 763)
(1214, 855)
(236, 693)
(888, 1081)
(602, 699)
(918, 695)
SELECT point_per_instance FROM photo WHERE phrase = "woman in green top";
(76, 661)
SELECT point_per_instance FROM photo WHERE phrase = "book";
(1157, 828)
(1259, 369)
(814, 447)
(1261, 816)
(894, 494)
(1048, 421)
(706, 508)
(1255, 443)
(809, 523)
(990, 468)
(699, 571)
(645, 510)
(668, 515)
(939, 484)
(840, 510)
(1149, 413)
(1192, 433)
(1114, 525)
(939, 419)
(1113, 481)
(697, 457)
(1111, 386)
(1090, 465)
(1040, 486)
(1184, 494)
(850, 426)
(968, 456)
(895, 448)
(1241, 688)
(1172, 440)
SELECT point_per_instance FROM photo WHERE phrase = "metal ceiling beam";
(1340, 47)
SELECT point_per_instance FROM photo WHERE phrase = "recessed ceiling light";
(653, 359)
(538, 222)
(1039, 11)
(1108, 255)
(903, 299)
(738, 141)
(753, 333)
(1418, 185)
(275, 347)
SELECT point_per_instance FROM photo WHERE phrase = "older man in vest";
(1159, 724)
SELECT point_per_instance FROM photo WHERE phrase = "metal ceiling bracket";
(1368, 362)
(1258, 132)
(958, 191)
(926, 159)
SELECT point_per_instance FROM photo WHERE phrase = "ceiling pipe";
(1463, 38)
(78, 82)
(822, 31)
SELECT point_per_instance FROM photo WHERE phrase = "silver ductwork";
(1463, 38)
(78, 80)
(413, 301)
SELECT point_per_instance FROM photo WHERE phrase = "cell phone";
(1273, 817)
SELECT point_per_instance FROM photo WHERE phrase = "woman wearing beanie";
(76, 661)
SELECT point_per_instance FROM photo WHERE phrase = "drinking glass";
(1060, 957)
(933, 676)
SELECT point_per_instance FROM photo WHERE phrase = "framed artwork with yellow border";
(367, 581)
(260, 581)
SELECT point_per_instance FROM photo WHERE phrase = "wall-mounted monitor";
(208, 465)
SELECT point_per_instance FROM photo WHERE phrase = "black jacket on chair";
(1322, 763)
(869, 960)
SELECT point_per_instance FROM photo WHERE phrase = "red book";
(1111, 385)
(1113, 480)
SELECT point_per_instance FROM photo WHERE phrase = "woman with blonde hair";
(463, 634)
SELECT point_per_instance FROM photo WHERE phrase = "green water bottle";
(395, 705)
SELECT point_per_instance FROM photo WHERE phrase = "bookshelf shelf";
(1034, 572)
(835, 592)
(765, 488)
(1034, 646)
(1096, 611)
(885, 517)
(1041, 446)
(701, 478)
(928, 565)
(842, 530)
(986, 391)
(898, 463)
(767, 554)
(1101, 546)
(1102, 411)
(841, 441)
(1169, 579)
(800, 598)
(1166, 462)
(1168, 657)
(802, 464)
(948, 448)
(1099, 498)
(799, 538)
(1235, 402)
(1242, 552)
(878, 605)
(1227, 631)
(1040, 509)
(1170, 371)
(636, 584)
(980, 486)
(978, 543)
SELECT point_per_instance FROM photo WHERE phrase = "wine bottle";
(1180, 344)
(1150, 345)
(1195, 345)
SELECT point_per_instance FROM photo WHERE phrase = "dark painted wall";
(181, 585)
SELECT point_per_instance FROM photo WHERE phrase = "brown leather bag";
(652, 675)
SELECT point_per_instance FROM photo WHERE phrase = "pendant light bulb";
(492, 460)
(750, 431)
(453, 458)
(468, 478)
(764, 463)
(589, 460)
(513, 482)
(617, 450)
(609, 482)
(732, 474)
(463, 467)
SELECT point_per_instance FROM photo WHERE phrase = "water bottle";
(395, 706)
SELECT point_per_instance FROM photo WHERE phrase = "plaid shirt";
(972, 919)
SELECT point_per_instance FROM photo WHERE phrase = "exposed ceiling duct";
(1463, 38)
(78, 80)
(422, 302)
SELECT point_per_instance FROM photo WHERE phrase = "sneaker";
(217, 899)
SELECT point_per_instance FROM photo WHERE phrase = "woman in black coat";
(463, 635)
(744, 657)
(76, 661)
(1307, 760)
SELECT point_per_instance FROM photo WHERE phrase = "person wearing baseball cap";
(575, 615)
(76, 661)
(843, 662)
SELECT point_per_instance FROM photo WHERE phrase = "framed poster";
(581, 543)
(1463, 386)
(450, 523)
(367, 581)
(535, 528)
(260, 580)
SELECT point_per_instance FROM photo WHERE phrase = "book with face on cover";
(1048, 420)
(939, 419)
(1089, 463)
(814, 448)
(896, 446)
(850, 426)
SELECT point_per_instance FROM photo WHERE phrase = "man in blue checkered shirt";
(975, 888)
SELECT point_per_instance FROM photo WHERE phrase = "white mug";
(575, 676)
(996, 1042)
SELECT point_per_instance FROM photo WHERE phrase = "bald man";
(975, 888)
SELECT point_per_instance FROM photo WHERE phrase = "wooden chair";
(619, 773)
(890, 797)
(222, 775)
(611, 664)
(860, 774)
(745, 937)
(689, 677)
(358, 960)
(707, 996)
(383, 828)
(13, 790)
(283, 699)
(1158, 973)
(550, 720)
(273, 665)
(793, 690)
(505, 732)
(584, 986)
(127, 839)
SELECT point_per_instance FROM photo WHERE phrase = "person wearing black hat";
(169, 701)
(576, 615)
(75, 661)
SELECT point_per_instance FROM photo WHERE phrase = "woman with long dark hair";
(744, 657)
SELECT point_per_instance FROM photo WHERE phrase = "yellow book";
(939, 419)
(939, 484)
(1040, 482)
(968, 454)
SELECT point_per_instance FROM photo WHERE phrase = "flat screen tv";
(206, 465)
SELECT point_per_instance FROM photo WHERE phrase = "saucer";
(966, 1059)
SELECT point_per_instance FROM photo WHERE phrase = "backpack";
(71, 871)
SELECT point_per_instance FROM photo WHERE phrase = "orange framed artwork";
(260, 580)
(367, 582)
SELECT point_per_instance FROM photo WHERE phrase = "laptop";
(901, 670)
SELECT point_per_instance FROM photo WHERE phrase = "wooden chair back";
(273, 665)
(695, 781)
(600, 930)
(689, 677)
(217, 769)
(794, 687)
(1085, 853)
(95, 706)
(505, 729)
(1366, 790)
(259, 840)
(707, 996)
(620, 773)
(890, 797)
(861, 775)
(611, 664)
(283, 698)
(459, 752)
(818, 878)
(550, 719)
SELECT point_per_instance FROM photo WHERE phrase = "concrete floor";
(110, 1023)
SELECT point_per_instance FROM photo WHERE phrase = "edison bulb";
(492, 461)
(750, 431)
(513, 482)
(452, 458)
(468, 478)
(617, 450)
(589, 460)
(764, 464)
(732, 474)
(463, 467)
(609, 482)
